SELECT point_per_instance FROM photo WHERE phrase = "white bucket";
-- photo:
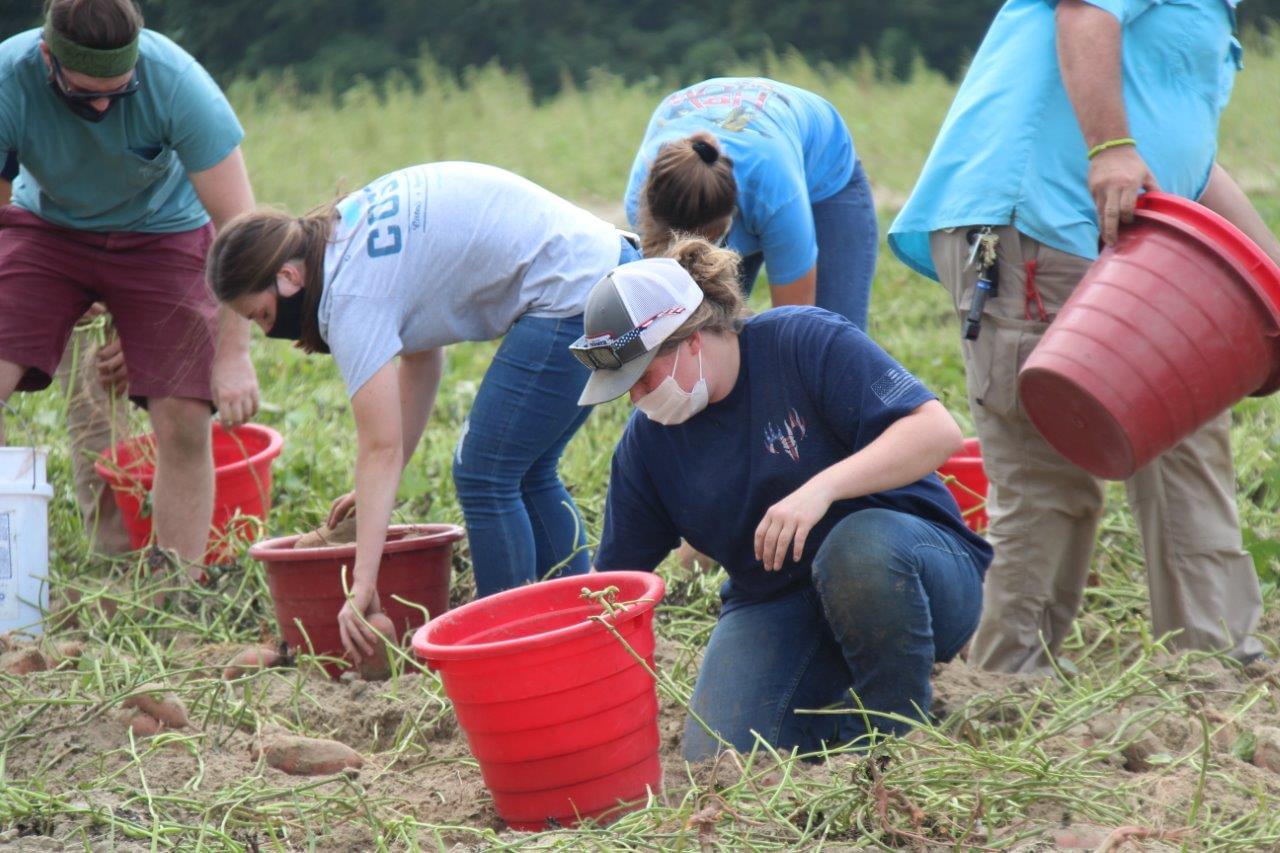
(24, 539)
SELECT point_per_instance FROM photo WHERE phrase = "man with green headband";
(129, 159)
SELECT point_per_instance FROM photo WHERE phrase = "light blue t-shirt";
(129, 171)
(789, 147)
(447, 252)
(1010, 150)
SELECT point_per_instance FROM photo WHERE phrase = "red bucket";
(241, 483)
(561, 717)
(964, 477)
(1170, 327)
(306, 583)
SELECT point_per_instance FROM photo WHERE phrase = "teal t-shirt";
(790, 149)
(1010, 150)
(129, 171)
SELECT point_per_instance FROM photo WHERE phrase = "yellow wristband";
(1110, 143)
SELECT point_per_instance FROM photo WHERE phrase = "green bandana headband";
(88, 60)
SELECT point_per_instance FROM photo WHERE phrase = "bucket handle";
(5, 408)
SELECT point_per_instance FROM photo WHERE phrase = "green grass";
(1006, 763)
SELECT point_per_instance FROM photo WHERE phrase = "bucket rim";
(1218, 234)
(110, 472)
(280, 548)
(654, 588)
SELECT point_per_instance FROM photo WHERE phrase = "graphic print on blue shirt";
(816, 390)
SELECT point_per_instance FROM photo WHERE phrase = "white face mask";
(669, 404)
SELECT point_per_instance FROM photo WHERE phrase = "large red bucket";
(965, 478)
(306, 583)
(241, 483)
(1170, 327)
(561, 717)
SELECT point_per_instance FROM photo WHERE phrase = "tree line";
(328, 43)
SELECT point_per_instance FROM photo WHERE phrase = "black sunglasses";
(85, 97)
(605, 352)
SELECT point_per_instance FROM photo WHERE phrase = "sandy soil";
(440, 784)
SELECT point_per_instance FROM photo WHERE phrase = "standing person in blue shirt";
(849, 566)
(770, 171)
(1068, 112)
(419, 259)
(127, 150)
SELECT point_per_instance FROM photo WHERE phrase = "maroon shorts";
(153, 285)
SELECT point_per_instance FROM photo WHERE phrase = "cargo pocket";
(992, 362)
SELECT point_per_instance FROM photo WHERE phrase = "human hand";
(340, 509)
(113, 375)
(790, 519)
(1115, 176)
(359, 638)
(235, 388)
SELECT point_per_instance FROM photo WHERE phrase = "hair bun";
(706, 151)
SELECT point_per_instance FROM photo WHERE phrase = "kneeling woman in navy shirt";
(795, 452)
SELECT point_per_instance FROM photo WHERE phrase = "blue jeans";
(890, 594)
(522, 524)
(848, 238)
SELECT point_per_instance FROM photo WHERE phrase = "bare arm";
(225, 193)
(1089, 56)
(910, 448)
(802, 291)
(6, 192)
(420, 374)
(379, 461)
(1224, 196)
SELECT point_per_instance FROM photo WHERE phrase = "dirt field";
(1138, 751)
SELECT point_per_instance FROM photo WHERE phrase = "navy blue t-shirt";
(812, 390)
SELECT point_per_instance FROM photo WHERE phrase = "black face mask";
(81, 108)
(288, 324)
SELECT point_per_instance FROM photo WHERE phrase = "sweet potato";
(377, 667)
(250, 660)
(23, 660)
(67, 650)
(305, 756)
(155, 700)
(143, 724)
(324, 536)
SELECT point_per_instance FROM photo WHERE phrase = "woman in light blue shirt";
(770, 171)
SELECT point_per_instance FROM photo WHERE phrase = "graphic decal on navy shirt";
(893, 384)
(786, 439)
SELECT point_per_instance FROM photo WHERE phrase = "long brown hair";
(250, 250)
(715, 271)
(690, 186)
(99, 24)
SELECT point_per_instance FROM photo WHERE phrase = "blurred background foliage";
(332, 44)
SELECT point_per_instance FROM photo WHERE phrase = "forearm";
(909, 449)
(1224, 196)
(232, 335)
(1089, 57)
(802, 291)
(6, 192)
(419, 377)
(377, 478)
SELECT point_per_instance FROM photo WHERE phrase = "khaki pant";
(1045, 511)
(95, 420)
